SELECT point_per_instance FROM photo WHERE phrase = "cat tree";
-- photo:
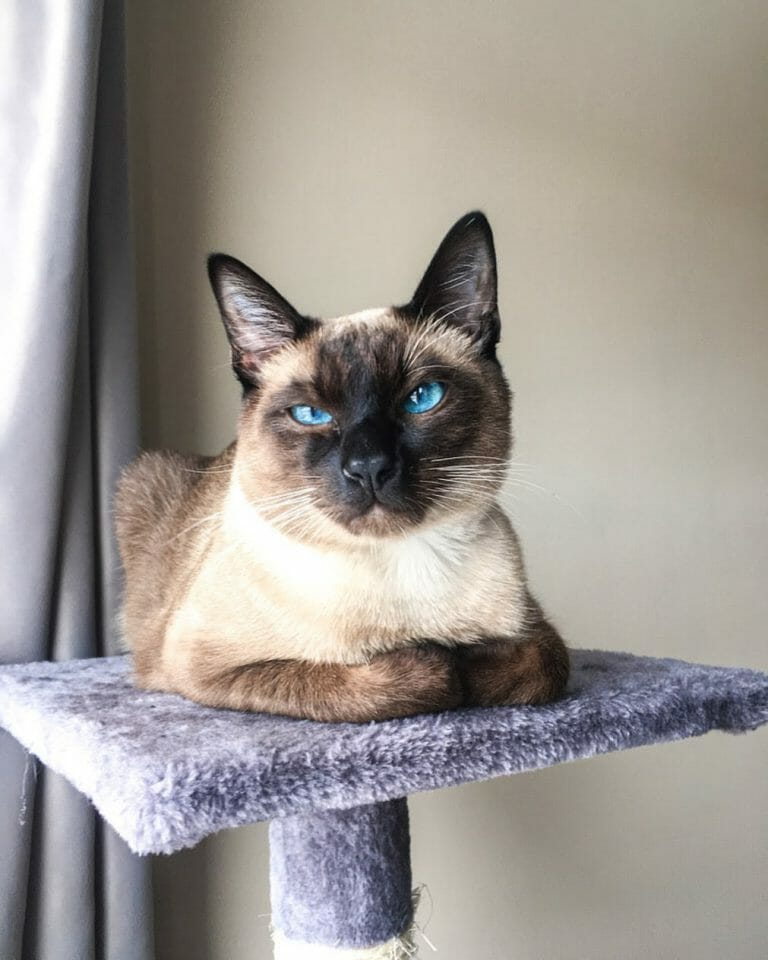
(165, 772)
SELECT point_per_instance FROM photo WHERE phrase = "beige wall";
(620, 151)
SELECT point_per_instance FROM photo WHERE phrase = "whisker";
(208, 470)
(467, 456)
(469, 480)
(470, 469)
(301, 515)
(192, 526)
(463, 495)
(527, 485)
(279, 504)
(281, 497)
(284, 515)
(276, 511)
(468, 477)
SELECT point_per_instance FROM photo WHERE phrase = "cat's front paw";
(422, 679)
(506, 673)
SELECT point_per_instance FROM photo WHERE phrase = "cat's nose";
(370, 460)
(371, 470)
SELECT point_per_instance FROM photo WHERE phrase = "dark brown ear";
(459, 286)
(258, 320)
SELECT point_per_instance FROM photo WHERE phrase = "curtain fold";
(69, 887)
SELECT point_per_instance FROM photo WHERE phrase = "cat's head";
(369, 425)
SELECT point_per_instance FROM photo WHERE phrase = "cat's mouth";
(379, 519)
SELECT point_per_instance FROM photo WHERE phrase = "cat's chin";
(380, 522)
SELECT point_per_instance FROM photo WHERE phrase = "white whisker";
(192, 526)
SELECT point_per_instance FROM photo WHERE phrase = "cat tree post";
(341, 883)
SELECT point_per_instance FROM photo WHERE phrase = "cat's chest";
(279, 599)
(266, 596)
(400, 586)
(407, 588)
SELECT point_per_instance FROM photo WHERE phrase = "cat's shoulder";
(158, 473)
(158, 482)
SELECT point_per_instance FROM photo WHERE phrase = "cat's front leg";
(411, 680)
(531, 669)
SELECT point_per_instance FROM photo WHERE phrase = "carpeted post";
(341, 884)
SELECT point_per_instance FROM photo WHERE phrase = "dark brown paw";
(413, 680)
(508, 672)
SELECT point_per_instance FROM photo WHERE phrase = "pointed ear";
(459, 286)
(257, 319)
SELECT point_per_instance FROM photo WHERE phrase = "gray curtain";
(69, 887)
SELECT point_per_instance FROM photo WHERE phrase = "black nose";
(370, 459)
(371, 470)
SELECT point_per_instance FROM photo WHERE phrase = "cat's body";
(358, 567)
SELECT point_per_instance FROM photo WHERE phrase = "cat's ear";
(459, 286)
(258, 320)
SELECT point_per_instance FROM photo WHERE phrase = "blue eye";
(309, 416)
(424, 397)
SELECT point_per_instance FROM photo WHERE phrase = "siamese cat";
(345, 559)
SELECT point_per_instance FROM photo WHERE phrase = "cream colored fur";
(455, 581)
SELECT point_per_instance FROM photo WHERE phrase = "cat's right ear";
(258, 320)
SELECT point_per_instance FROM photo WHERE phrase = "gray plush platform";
(166, 772)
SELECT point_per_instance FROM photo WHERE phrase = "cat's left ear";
(459, 286)
(258, 320)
